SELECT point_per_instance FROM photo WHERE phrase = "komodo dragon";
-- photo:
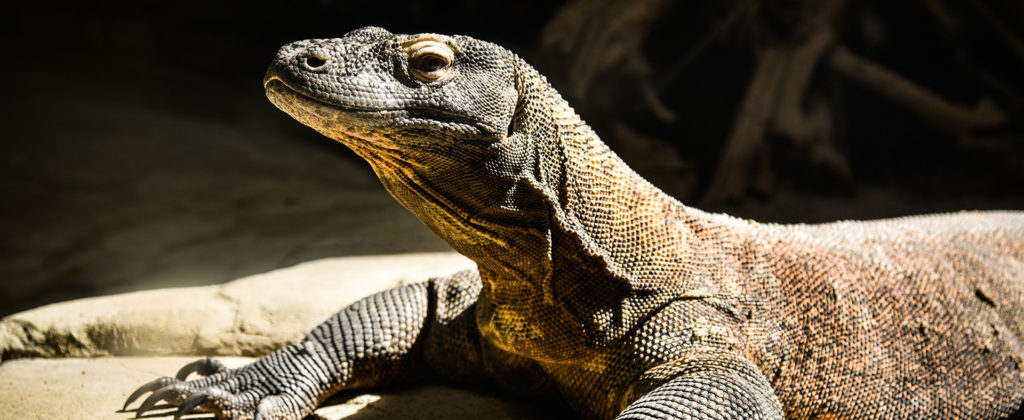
(593, 282)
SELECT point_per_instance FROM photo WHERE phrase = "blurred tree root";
(773, 106)
(797, 46)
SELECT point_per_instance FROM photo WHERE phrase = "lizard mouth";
(292, 99)
(276, 85)
(287, 97)
(340, 123)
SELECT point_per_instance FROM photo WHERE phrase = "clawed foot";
(281, 386)
(177, 391)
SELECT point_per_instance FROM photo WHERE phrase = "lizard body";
(593, 282)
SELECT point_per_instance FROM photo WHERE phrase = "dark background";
(138, 149)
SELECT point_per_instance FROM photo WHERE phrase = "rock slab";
(250, 316)
(78, 359)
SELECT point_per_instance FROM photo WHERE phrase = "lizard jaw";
(369, 123)
(317, 115)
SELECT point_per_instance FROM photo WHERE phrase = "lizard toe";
(148, 387)
(215, 400)
(205, 367)
(191, 403)
(173, 393)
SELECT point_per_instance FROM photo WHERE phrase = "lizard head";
(432, 114)
(374, 86)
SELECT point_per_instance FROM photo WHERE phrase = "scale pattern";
(592, 282)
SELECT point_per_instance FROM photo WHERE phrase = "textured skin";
(593, 282)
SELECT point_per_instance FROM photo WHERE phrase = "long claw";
(205, 367)
(151, 385)
(157, 396)
(190, 403)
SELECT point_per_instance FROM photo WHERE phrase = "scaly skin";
(593, 282)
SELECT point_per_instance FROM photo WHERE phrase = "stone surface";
(249, 316)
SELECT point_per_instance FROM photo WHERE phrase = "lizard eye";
(430, 61)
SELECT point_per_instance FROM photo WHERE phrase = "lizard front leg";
(393, 336)
(705, 384)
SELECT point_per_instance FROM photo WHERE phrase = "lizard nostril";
(315, 61)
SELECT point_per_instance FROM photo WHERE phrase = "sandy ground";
(95, 389)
